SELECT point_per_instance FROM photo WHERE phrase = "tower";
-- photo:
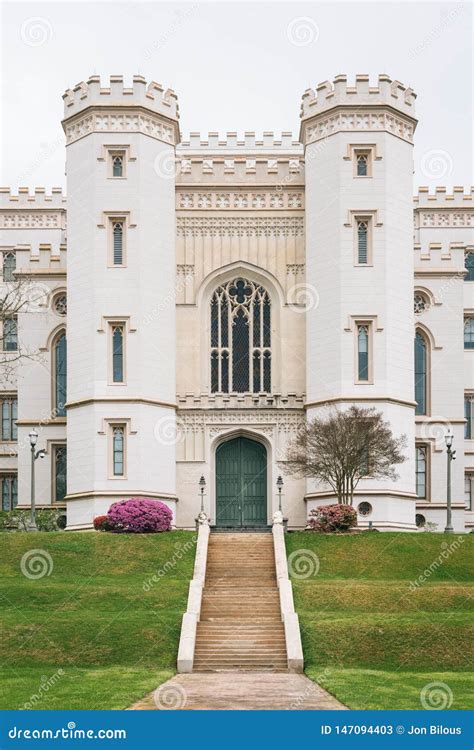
(121, 294)
(359, 258)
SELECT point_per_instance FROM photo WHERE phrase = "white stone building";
(219, 292)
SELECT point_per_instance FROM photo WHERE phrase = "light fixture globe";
(33, 435)
(280, 482)
(449, 438)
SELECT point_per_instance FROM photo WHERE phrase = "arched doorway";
(241, 483)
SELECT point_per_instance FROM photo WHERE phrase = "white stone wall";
(142, 294)
(274, 210)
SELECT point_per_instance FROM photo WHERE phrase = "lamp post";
(33, 435)
(451, 457)
(202, 487)
(279, 487)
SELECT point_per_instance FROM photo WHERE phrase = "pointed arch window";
(469, 265)
(60, 374)
(9, 266)
(421, 374)
(363, 242)
(241, 356)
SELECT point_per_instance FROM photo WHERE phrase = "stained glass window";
(240, 332)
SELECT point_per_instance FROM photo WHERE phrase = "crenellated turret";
(359, 259)
(121, 292)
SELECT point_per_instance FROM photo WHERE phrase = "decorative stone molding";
(33, 220)
(231, 201)
(357, 120)
(146, 123)
(185, 269)
(240, 227)
(295, 269)
(200, 402)
(443, 218)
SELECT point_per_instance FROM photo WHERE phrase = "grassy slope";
(379, 642)
(91, 617)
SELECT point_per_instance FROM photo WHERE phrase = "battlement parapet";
(441, 257)
(441, 198)
(328, 95)
(268, 142)
(151, 96)
(38, 199)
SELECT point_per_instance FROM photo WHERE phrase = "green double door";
(241, 483)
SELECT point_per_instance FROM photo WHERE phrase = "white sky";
(234, 66)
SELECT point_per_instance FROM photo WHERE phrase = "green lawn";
(369, 637)
(89, 632)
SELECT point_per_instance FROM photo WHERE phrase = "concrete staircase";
(240, 627)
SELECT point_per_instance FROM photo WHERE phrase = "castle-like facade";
(192, 302)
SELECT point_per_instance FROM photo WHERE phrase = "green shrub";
(17, 520)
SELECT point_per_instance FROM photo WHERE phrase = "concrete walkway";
(239, 690)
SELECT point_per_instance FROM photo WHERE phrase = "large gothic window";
(240, 338)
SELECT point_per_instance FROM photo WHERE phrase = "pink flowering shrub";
(330, 518)
(139, 515)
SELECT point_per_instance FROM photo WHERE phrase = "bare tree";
(18, 296)
(344, 447)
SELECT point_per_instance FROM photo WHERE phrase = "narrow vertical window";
(60, 374)
(118, 353)
(9, 266)
(60, 472)
(9, 417)
(117, 165)
(10, 335)
(469, 265)
(362, 242)
(117, 230)
(468, 415)
(421, 374)
(362, 164)
(469, 333)
(9, 492)
(363, 353)
(118, 450)
(468, 490)
(421, 470)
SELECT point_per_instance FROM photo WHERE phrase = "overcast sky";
(235, 66)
